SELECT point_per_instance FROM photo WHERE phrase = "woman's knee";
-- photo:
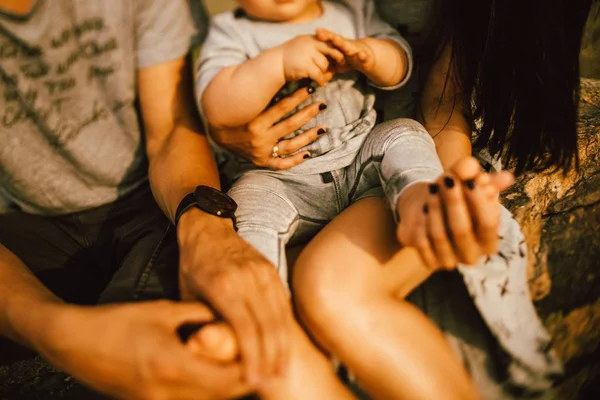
(326, 297)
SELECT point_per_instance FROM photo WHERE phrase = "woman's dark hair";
(519, 59)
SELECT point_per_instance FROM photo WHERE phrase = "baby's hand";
(455, 219)
(307, 57)
(358, 54)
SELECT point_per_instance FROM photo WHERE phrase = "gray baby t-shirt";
(234, 38)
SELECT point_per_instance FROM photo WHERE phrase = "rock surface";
(560, 215)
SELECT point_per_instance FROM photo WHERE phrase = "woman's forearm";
(451, 145)
(445, 111)
(237, 94)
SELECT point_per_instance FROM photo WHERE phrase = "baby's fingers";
(502, 180)
(344, 45)
(332, 53)
(319, 72)
(324, 35)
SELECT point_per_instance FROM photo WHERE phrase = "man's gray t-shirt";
(70, 133)
(235, 38)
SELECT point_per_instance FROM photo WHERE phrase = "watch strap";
(186, 203)
(190, 201)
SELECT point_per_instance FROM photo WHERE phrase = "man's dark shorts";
(124, 251)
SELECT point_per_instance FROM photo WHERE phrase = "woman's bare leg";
(309, 375)
(348, 284)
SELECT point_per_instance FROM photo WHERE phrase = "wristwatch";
(209, 200)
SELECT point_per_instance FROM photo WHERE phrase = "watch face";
(214, 201)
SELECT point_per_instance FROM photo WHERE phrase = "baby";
(263, 51)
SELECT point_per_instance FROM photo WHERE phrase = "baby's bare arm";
(390, 62)
(239, 93)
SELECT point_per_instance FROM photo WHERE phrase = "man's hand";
(455, 219)
(358, 55)
(219, 267)
(307, 57)
(133, 351)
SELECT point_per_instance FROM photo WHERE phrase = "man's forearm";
(26, 306)
(183, 162)
(391, 62)
(237, 94)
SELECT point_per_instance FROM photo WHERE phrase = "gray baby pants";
(276, 208)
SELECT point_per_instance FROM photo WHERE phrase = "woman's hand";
(256, 141)
(455, 219)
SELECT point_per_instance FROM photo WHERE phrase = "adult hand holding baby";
(254, 141)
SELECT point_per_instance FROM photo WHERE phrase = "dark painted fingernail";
(449, 182)
(306, 156)
(322, 106)
(310, 90)
(321, 131)
(425, 209)
(470, 184)
(434, 188)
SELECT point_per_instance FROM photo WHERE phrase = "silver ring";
(275, 152)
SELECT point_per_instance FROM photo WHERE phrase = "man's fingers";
(189, 312)
(284, 107)
(269, 307)
(227, 299)
(458, 220)
(264, 313)
(247, 331)
(295, 121)
(290, 146)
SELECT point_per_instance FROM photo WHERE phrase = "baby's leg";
(395, 154)
(266, 218)
(345, 286)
